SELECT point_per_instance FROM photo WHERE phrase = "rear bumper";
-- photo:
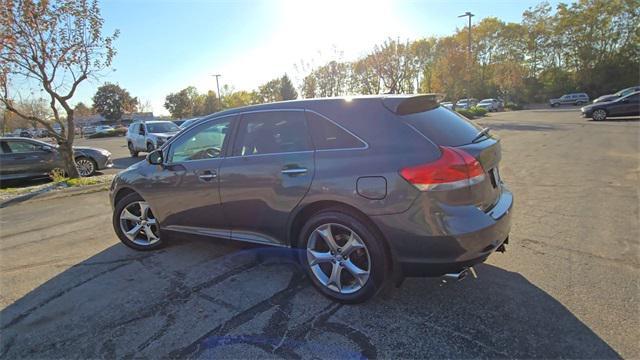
(434, 239)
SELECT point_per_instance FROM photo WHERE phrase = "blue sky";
(165, 45)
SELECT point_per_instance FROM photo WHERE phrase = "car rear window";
(443, 126)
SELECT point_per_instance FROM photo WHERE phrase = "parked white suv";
(149, 135)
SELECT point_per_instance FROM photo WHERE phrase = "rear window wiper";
(481, 134)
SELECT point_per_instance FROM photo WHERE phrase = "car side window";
(272, 132)
(141, 132)
(634, 98)
(204, 142)
(22, 147)
(327, 135)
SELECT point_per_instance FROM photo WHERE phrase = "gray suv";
(370, 190)
(570, 99)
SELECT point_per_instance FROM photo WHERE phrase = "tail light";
(455, 169)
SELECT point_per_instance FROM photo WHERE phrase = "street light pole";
(218, 87)
(470, 15)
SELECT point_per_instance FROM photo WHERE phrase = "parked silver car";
(466, 103)
(149, 135)
(489, 105)
(616, 96)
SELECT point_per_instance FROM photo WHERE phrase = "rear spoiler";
(405, 105)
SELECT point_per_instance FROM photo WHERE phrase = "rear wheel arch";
(310, 210)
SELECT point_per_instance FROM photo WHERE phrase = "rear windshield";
(443, 126)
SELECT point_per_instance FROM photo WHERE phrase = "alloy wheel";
(85, 167)
(338, 258)
(599, 114)
(138, 224)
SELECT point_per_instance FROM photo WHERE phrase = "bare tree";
(51, 47)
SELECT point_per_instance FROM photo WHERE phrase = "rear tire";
(351, 271)
(132, 151)
(86, 166)
(135, 224)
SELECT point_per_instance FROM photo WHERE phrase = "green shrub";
(478, 111)
(466, 113)
(513, 106)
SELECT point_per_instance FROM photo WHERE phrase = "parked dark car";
(628, 105)
(370, 190)
(22, 158)
(619, 94)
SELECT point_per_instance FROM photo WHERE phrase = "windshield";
(162, 127)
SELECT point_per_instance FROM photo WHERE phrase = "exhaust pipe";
(459, 276)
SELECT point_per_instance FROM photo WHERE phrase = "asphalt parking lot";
(566, 287)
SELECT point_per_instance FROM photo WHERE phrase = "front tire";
(599, 115)
(132, 150)
(135, 224)
(149, 147)
(343, 256)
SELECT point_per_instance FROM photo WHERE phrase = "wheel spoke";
(354, 243)
(316, 257)
(334, 279)
(144, 210)
(151, 237)
(151, 221)
(360, 275)
(127, 215)
(326, 235)
(131, 234)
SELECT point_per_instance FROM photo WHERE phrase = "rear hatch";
(448, 129)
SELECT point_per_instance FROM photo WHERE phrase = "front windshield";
(162, 127)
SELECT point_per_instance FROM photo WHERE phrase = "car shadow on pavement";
(204, 299)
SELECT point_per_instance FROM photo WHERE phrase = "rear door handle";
(294, 171)
(207, 175)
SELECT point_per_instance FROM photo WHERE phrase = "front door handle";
(207, 175)
(294, 171)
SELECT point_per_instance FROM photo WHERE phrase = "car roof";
(311, 103)
(151, 121)
(17, 138)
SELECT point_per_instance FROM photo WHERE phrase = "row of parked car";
(488, 104)
(625, 102)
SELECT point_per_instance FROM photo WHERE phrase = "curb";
(54, 192)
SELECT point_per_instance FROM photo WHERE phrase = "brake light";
(455, 169)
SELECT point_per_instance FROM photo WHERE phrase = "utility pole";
(470, 15)
(218, 87)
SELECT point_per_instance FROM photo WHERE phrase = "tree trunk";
(66, 152)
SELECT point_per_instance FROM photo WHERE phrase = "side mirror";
(155, 157)
(47, 148)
